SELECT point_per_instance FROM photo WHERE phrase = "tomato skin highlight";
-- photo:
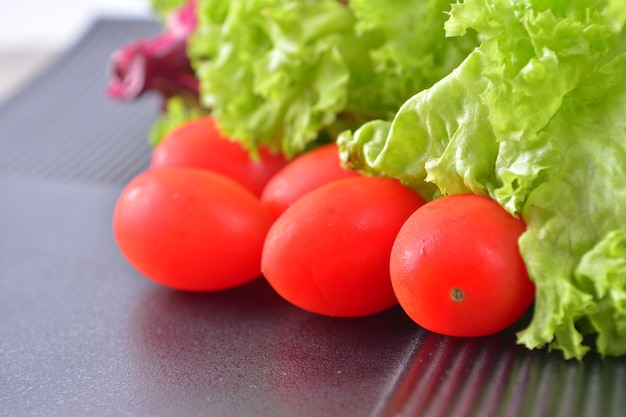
(304, 174)
(191, 229)
(199, 144)
(456, 268)
(329, 252)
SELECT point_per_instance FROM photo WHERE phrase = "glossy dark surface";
(83, 334)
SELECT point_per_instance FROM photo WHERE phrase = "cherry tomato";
(456, 267)
(199, 144)
(191, 229)
(329, 252)
(302, 175)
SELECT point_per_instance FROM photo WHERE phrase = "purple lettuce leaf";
(159, 64)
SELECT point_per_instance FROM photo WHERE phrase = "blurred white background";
(33, 32)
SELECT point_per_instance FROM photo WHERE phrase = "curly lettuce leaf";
(602, 270)
(574, 218)
(414, 52)
(279, 72)
(534, 118)
(156, 65)
(272, 68)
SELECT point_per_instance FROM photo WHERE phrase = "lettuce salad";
(287, 74)
(520, 100)
(534, 117)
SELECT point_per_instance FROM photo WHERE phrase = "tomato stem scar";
(457, 295)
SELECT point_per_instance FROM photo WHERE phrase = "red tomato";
(199, 144)
(456, 267)
(191, 229)
(329, 252)
(302, 175)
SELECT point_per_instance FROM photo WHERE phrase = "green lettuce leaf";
(414, 52)
(535, 118)
(162, 8)
(280, 72)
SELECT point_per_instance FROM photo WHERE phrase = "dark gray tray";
(82, 334)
